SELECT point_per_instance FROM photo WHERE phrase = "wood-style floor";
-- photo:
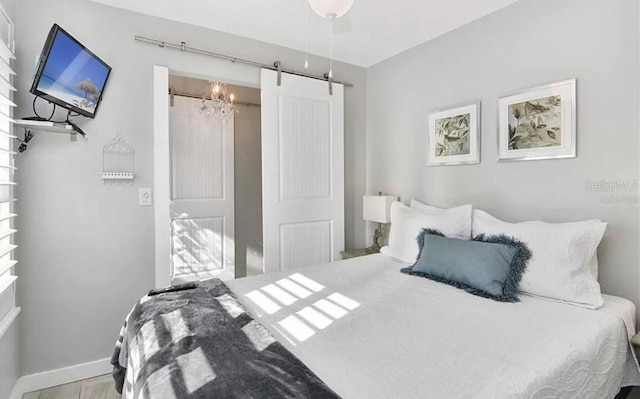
(94, 388)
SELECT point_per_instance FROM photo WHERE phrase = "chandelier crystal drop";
(219, 104)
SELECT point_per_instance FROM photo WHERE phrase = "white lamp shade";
(331, 9)
(377, 208)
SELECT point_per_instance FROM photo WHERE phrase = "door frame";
(197, 68)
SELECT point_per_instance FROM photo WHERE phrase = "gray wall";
(248, 176)
(87, 250)
(10, 7)
(530, 43)
(9, 361)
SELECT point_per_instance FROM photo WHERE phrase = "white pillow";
(563, 255)
(421, 206)
(406, 224)
(415, 204)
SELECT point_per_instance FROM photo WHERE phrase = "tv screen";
(70, 75)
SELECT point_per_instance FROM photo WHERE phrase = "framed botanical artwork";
(454, 136)
(538, 123)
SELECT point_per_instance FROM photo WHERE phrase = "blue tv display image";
(70, 75)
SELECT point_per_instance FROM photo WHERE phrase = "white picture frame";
(454, 136)
(538, 123)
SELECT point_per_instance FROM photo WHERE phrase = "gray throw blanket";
(201, 343)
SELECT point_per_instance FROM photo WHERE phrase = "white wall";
(87, 249)
(530, 43)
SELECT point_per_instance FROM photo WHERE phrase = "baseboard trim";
(65, 375)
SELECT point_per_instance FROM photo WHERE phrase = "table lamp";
(377, 208)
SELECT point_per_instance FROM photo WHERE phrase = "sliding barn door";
(302, 171)
(202, 193)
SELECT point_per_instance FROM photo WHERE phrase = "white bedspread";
(391, 335)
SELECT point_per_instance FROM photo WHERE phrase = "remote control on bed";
(172, 288)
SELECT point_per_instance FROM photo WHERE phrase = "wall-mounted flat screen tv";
(70, 75)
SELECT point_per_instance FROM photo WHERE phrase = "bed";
(368, 331)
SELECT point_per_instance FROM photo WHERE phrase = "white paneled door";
(302, 171)
(202, 193)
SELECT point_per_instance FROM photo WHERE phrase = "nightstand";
(354, 253)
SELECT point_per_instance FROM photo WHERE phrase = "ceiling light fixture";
(331, 9)
(219, 104)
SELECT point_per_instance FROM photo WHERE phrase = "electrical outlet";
(145, 197)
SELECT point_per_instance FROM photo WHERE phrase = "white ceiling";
(372, 31)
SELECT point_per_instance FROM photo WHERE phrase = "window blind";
(8, 309)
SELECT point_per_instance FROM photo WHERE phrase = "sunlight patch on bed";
(159, 384)
(315, 318)
(298, 329)
(127, 392)
(196, 371)
(128, 376)
(294, 288)
(279, 294)
(134, 360)
(266, 304)
(132, 368)
(258, 335)
(144, 299)
(307, 282)
(330, 308)
(284, 334)
(343, 301)
(231, 305)
(177, 327)
(146, 341)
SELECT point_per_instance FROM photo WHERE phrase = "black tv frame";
(44, 56)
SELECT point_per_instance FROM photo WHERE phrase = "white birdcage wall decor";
(118, 162)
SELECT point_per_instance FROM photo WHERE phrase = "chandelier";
(219, 104)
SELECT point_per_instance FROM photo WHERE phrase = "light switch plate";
(145, 196)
